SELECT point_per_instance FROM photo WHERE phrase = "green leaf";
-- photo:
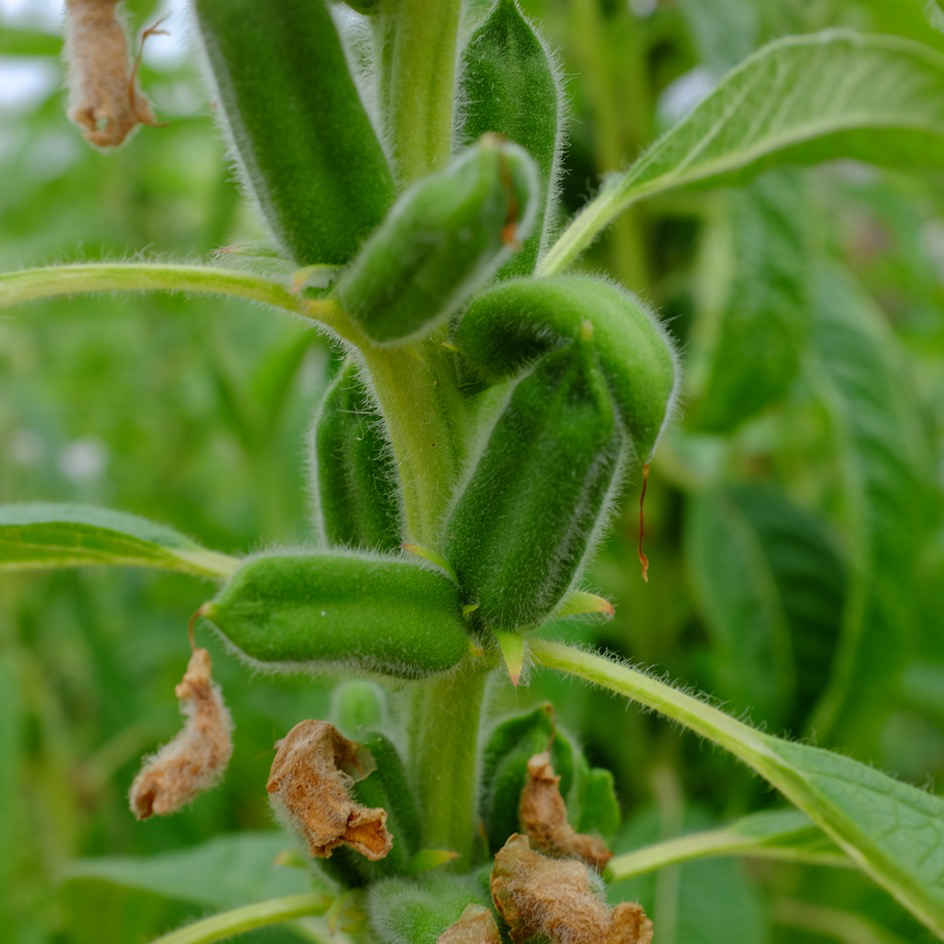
(42, 536)
(771, 588)
(704, 902)
(20, 41)
(222, 873)
(886, 469)
(10, 788)
(894, 832)
(508, 85)
(799, 99)
(782, 835)
(754, 321)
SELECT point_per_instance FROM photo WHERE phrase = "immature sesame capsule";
(311, 611)
(525, 519)
(442, 241)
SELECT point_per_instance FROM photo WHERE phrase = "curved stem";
(239, 920)
(52, 281)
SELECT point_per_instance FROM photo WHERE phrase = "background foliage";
(794, 515)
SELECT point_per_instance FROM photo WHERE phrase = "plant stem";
(239, 920)
(444, 749)
(423, 413)
(420, 83)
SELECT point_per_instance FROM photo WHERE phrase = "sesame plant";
(493, 408)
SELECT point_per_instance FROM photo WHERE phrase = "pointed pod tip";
(512, 647)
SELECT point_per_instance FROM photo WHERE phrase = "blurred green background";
(794, 515)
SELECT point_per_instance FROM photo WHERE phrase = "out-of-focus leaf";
(9, 776)
(272, 379)
(697, 903)
(885, 464)
(42, 536)
(784, 835)
(772, 589)
(725, 32)
(223, 873)
(797, 100)
(21, 41)
(753, 328)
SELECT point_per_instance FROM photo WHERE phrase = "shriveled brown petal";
(104, 100)
(196, 758)
(555, 898)
(475, 926)
(310, 787)
(543, 817)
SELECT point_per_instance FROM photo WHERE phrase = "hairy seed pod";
(537, 496)
(442, 241)
(301, 135)
(508, 85)
(104, 98)
(353, 480)
(311, 611)
(512, 324)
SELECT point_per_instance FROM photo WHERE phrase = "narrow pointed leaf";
(800, 99)
(893, 831)
(44, 536)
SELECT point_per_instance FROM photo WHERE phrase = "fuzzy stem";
(421, 69)
(444, 751)
(230, 923)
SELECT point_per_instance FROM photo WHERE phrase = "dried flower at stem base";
(475, 926)
(543, 817)
(196, 758)
(310, 783)
(555, 898)
(104, 100)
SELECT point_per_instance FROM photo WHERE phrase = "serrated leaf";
(798, 100)
(893, 831)
(223, 873)
(42, 536)
(752, 330)
(784, 835)
(772, 588)
(886, 471)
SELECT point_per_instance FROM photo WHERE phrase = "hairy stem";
(230, 923)
(421, 65)
(444, 750)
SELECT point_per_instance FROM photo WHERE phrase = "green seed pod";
(536, 498)
(511, 324)
(443, 239)
(352, 478)
(358, 706)
(508, 85)
(387, 787)
(303, 140)
(310, 611)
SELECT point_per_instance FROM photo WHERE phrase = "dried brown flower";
(196, 758)
(310, 787)
(104, 99)
(543, 817)
(475, 926)
(537, 895)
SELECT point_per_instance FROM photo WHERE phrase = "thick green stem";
(444, 749)
(421, 67)
(423, 412)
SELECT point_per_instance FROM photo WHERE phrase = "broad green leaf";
(771, 588)
(42, 536)
(799, 99)
(222, 873)
(834, 924)
(894, 832)
(783, 835)
(754, 318)
(705, 902)
(885, 467)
